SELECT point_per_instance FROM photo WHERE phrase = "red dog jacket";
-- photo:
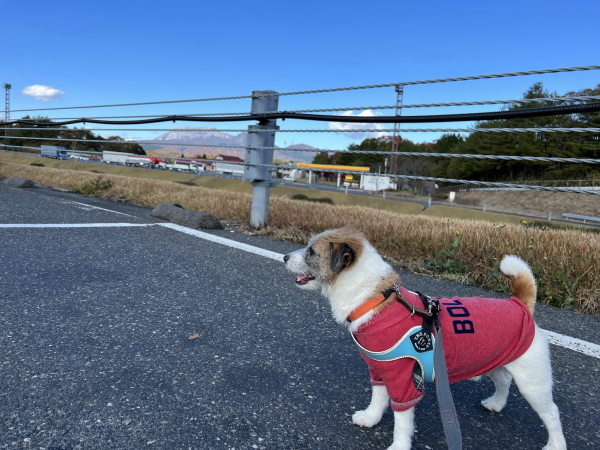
(480, 335)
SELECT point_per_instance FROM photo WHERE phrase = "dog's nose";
(285, 258)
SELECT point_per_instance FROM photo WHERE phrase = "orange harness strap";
(366, 307)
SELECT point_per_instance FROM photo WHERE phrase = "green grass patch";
(315, 200)
(94, 187)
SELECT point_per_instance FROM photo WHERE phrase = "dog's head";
(325, 257)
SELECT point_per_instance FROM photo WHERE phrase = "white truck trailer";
(51, 151)
(115, 157)
(229, 169)
(376, 183)
(182, 165)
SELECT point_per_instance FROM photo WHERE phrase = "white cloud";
(42, 93)
(358, 126)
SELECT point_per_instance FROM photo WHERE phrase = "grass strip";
(565, 262)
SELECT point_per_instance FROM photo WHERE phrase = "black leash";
(442, 383)
(444, 395)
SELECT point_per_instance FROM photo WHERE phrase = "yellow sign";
(332, 167)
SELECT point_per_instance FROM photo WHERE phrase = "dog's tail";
(523, 284)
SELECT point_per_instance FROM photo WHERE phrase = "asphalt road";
(95, 350)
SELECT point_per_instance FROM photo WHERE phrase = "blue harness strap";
(415, 344)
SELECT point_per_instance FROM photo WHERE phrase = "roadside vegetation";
(565, 262)
(534, 202)
(21, 135)
(566, 145)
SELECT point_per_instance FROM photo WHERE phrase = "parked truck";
(376, 183)
(143, 161)
(229, 169)
(115, 157)
(51, 151)
(182, 165)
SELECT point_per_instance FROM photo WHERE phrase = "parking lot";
(119, 332)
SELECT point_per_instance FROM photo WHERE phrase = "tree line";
(565, 145)
(71, 136)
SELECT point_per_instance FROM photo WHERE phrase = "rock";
(165, 211)
(19, 182)
(186, 217)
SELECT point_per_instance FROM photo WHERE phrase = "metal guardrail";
(260, 145)
(573, 184)
(584, 218)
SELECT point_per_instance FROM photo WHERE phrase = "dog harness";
(416, 344)
(479, 335)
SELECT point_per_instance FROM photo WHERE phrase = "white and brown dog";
(496, 337)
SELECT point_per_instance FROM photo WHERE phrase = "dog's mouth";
(303, 279)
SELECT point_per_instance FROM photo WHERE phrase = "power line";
(333, 130)
(446, 80)
(138, 104)
(360, 152)
(468, 117)
(407, 177)
(406, 83)
(356, 108)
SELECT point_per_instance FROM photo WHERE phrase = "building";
(227, 158)
(325, 171)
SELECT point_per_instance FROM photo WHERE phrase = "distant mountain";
(215, 139)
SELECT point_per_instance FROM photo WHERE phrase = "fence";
(260, 145)
(572, 185)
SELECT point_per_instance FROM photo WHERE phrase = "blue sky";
(105, 52)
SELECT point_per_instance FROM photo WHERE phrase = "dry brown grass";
(532, 201)
(565, 262)
(227, 184)
(453, 213)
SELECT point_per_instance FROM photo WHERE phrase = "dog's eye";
(311, 251)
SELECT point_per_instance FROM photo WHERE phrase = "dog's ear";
(342, 256)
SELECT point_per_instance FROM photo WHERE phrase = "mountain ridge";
(218, 143)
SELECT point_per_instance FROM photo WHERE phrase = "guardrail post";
(261, 135)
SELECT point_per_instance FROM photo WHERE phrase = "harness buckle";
(432, 304)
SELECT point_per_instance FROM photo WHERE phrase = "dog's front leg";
(372, 415)
(404, 428)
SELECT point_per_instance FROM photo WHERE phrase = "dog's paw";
(493, 404)
(561, 445)
(395, 446)
(365, 418)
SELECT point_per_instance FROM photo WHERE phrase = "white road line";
(97, 207)
(571, 343)
(224, 241)
(73, 225)
(578, 345)
(587, 348)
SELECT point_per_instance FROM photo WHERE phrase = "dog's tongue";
(303, 279)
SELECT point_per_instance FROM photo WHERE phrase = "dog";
(497, 337)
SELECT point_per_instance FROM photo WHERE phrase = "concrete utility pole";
(6, 106)
(261, 135)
